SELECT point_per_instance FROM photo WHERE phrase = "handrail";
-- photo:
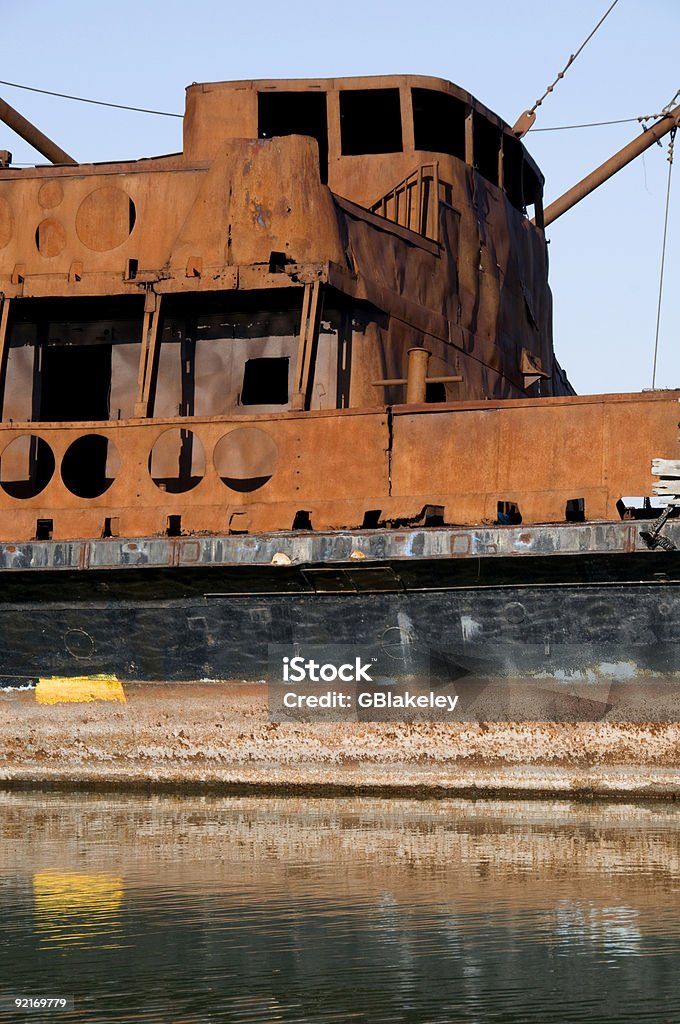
(409, 204)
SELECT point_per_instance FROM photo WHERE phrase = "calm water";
(353, 910)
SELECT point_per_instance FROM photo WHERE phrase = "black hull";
(604, 618)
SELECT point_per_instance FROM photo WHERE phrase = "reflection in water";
(76, 909)
(194, 909)
(613, 930)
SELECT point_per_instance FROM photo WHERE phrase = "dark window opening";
(44, 529)
(277, 262)
(508, 514)
(370, 121)
(575, 510)
(174, 528)
(371, 519)
(433, 515)
(111, 526)
(532, 190)
(438, 122)
(513, 158)
(295, 113)
(75, 381)
(265, 382)
(486, 146)
(132, 269)
(302, 520)
(435, 392)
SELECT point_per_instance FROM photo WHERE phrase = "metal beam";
(18, 123)
(612, 165)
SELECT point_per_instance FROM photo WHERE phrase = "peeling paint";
(470, 628)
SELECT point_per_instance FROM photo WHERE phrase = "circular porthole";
(105, 219)
(246, 458)
(515, 612)
(89, 465)
(50, 237)
(50, 194)
(177, 461)
(79, 644)
(26, 466)
(397, 643)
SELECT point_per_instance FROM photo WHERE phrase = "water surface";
(193, 909)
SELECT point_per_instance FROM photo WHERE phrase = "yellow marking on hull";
(78, 689)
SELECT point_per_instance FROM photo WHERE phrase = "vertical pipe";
(416, 376)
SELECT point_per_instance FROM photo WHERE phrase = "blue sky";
(604, 255)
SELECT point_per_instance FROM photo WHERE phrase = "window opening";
(265, 382)
(486, 145)
(513, 158)
(370, 121)
(295, 113)
(75, 383)
(438, 122)
(44, 529)
(532, 192)
(575, 510)
(508, 514)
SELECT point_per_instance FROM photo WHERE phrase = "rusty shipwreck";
(296, 384)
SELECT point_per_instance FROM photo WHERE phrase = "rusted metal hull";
(340, 466)
(583, 615)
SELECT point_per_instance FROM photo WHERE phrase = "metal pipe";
(18, 123)
(612, 165)
(416, 375)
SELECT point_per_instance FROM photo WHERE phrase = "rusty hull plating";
(331, 310)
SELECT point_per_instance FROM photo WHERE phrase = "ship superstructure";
(328, 314)
(171, 323)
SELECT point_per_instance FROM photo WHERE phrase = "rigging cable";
(671, 146)
(525, 120)
(571, 60)
(97, 103)
(641, 119)
(599, 124)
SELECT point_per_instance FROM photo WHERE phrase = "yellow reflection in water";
(72, 908)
